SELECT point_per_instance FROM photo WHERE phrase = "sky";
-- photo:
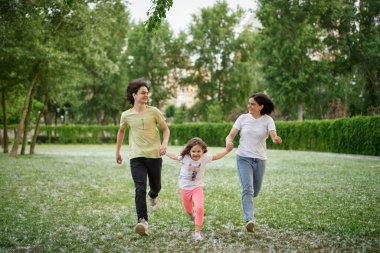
(179, 15)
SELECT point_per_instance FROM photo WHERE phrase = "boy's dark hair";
(191, 143)
(264, 100)
(133, 87)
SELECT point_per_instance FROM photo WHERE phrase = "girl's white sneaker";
(197, 236)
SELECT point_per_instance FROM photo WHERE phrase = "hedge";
(356, 135)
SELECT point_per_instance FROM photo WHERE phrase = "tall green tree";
(287, 43)
(353, 41)
(106, 31)
(214, 46)
(151, 55)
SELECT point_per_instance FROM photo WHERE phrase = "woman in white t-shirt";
(251, 155)
(193, 160)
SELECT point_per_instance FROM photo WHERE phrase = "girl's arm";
(217, 156)
(172, 156)
(275, 138)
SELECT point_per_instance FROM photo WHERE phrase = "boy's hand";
(119, 160)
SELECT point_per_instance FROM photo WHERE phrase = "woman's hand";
(277, 140)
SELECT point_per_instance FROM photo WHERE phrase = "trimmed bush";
(357, 135)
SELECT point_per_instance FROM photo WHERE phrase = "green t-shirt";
(144, 138)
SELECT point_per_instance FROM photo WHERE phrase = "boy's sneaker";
(142, 227)
(249, 226)
(197, 236)
(153, 203)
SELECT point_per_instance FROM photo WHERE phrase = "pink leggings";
(196, 196)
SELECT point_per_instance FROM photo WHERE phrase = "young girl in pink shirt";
(193, 160)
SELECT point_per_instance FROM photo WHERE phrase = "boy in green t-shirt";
(145, 146)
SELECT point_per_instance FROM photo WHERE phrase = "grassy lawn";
(75, 198)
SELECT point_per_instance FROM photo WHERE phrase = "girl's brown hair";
(191, 143)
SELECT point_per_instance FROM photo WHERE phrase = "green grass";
(75, 198)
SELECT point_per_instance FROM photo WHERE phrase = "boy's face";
(142, 95)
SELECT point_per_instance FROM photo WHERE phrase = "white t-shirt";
(192, 172)
(253, 135)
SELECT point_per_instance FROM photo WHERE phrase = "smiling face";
(254, 108)
(196, 152)
(142, 95)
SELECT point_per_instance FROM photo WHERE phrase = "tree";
(353, 39)
(214, 46)
(151, 56)
(157, 12)
(287, 43)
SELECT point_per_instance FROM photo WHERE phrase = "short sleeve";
(238, 122)
(159, 116)
(207, 158)
(123, 121)
(271, 125)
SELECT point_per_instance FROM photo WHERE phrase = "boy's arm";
(217, 156)
(172, 156)
(165, 138)
(119, 141)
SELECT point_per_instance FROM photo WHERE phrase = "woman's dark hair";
(264, 100)
(191, 143)
(133, 87)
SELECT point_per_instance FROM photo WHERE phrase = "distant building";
(182, 94)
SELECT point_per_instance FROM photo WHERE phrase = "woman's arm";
(275, 138)
(230, 138)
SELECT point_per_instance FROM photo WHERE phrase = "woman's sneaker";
(197, 236)
(249, 226)
(142, 227)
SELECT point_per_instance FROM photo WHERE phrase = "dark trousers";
(142, 167)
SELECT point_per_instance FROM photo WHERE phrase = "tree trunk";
(24, 111)
(300, 112)
(37, 127)
(26, 125)
(5, 123)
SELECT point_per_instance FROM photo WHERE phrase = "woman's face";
(142, 95)
(253, 107)
(196, 152)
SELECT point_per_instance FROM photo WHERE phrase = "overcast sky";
(179, 15)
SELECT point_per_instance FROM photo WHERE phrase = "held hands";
(163, 149)
(229, 146)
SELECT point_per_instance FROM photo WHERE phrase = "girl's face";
(254, 108)
(196, 152)
(142, 95)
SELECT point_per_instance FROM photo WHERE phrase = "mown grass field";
(75, 198)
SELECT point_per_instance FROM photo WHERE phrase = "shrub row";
(357, 135)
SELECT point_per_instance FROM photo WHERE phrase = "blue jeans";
(251, 173)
